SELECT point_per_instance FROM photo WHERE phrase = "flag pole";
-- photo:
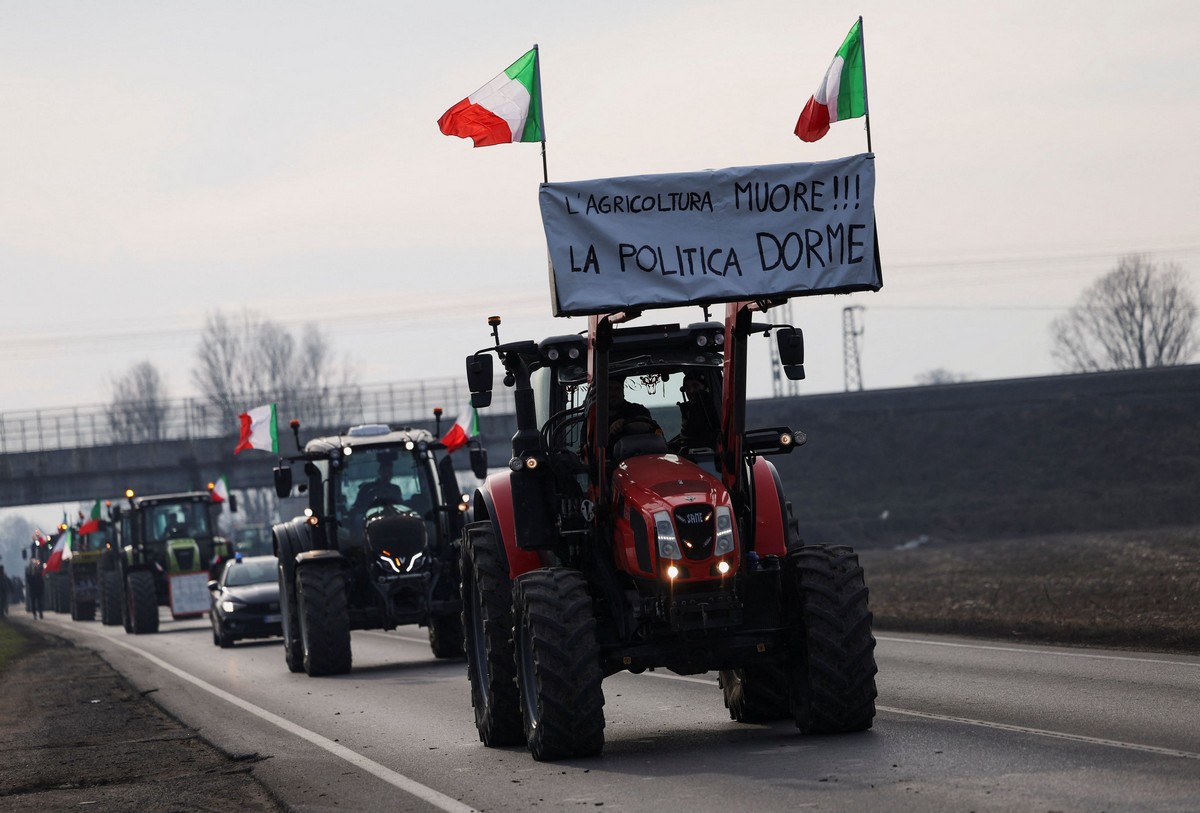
(862, 38)
(537, 81)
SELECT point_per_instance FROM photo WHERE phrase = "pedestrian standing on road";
(36, 584)
(3, 592)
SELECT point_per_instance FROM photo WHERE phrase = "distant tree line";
(243, 361)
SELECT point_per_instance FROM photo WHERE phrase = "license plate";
(271, 619)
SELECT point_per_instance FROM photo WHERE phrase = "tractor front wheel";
(324, 619)
(446, 636)
(833, 671)
(110, 598)
(558, 665)
(142, 598)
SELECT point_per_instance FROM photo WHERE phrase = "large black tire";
(487, 621)
(446, 636)
(558, 665)
(143, 603)
(293, 646)
(833, 673)
(757, 694)
(110, 598)
(324, 619)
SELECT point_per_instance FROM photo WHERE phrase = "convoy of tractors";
(637, 524)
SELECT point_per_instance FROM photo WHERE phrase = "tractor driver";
(624, 417)
(380, 490)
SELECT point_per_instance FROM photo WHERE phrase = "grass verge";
(13, 643)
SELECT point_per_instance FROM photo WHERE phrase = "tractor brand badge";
(588, 509)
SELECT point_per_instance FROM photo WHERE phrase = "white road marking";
(393, 778)
(1041, 732)
(1054, 653)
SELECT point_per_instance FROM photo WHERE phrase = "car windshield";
(247, 572)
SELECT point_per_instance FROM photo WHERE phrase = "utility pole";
(781, 385)
(851, 356)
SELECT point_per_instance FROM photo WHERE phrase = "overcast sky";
(162, 160)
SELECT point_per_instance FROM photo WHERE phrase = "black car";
(245, 601)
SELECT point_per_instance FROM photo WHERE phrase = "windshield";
(380, 478)
(248, 572)
(186, 520)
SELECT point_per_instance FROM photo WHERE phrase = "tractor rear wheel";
(110, 598)
(833, 676)
(558, 665)
(446, 636)
(324, 619)
(142, 598)
(293, 647)
(757, 693)
(487, 620)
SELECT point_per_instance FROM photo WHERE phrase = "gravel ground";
(74, 734)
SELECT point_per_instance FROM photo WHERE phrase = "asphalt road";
(963, 725)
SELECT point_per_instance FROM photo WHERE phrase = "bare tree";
(250, 360)
(1141, 314)
(940, 376)
(138, 410)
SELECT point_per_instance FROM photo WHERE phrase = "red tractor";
(627, 536)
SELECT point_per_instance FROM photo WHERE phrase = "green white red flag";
(220, 490)
(93, 522)
(258, 430)
(465, 428)
(842, 93)
(507, 109)
(61, 552)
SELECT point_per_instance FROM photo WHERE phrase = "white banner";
(189, 594)
(715, 236)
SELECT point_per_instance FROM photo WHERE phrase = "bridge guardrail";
(196, 418)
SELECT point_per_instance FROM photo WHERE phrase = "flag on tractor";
(465, 428)
(92, 524)
(220, 490)
(842, 93)
(258, 430)
(507, 109)
(61, 552)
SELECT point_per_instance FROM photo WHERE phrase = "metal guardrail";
(197, 419)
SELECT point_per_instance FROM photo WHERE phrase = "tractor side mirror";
(479, 460)
(24, 553)
(479, 379)
(790, 342)
(233, 503)
(114, 513)
(283, 481)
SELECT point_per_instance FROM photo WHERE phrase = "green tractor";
(164, 552)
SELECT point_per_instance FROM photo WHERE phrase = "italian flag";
(93, 523)
(465, 428)
(258, 430)
(220, 490)
(61, 552)
(505, 110)
(842, 93)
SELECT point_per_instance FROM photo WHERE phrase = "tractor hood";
(664, 482)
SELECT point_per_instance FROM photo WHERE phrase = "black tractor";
(376, 546)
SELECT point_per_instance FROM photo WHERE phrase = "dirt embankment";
(1132, 589)
(74, 734)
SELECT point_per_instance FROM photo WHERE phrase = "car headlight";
(229, 606)
(724, 543)
(664, 530)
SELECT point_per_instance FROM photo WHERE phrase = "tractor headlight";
(724, 543)
(664, 530)
(228, 606)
